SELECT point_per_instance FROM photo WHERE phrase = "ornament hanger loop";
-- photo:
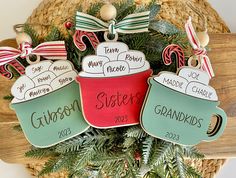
(18, 28)
(106, 36)
(32, 62)
(194, 61)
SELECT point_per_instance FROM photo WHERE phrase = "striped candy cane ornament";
(78, 39)
(5, 72)
(177, 51)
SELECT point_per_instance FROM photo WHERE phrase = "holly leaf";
(163, 27)
(154, 11)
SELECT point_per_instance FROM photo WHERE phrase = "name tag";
(194, 75)
(36, 69)
(94, 64)
(116, 68)
(200, 90)
(38, 91)
(21, 85)
(111, 49)
(135, 59)
(61, 67)
(172, 81)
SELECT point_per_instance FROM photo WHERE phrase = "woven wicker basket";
(208, 168)
(56, 12)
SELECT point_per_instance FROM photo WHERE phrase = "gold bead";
(23, 37)
(203, 38)
(108, 12)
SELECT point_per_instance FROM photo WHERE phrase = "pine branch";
(128, 142)
(84, 157)
(178, 165)
(191, 152)
(124, 8)
(32, 33)
(8, 97)
(163, 27)
(154, 10)
(147, 148)
(17, 128)
(54, 35)
(135, 132)
(94, 9)
(192, 173)
(163, 150)
(40, 153)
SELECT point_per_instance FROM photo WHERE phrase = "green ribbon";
(133, 23)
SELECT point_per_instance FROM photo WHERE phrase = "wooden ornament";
(47, 103)
(113, 85)
(108, 12)
(179, 107)
(203, 38)
(23, 37)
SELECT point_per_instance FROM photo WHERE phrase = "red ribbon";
(197, 49)
(50, 50)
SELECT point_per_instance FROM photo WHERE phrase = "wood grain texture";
(13, 144)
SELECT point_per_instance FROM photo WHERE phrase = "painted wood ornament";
(179, 107)
(175, 50)
(113, 82)
(78, 39)
(113, 85)
(47, 103)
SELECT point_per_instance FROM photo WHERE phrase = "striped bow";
(198, 50)
(193, 39)
(133, 23)
(49, 50)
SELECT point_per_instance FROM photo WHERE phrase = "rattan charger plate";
(208, 168)
(56, 12)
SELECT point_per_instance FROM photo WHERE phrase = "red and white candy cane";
(78, 39)
(198, 50)
(177, 51)
(5, 72)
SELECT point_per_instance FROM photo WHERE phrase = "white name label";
(135, 59)
(36, 69)
(116, 68)
(111, 49)
(194, 75)
(21, 85)
(44, 78)
(63, 80)
(200, 90)
(94, 64)
(38, 91)
(61, 67)
(172, 81)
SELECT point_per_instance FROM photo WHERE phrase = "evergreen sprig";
(122, 152)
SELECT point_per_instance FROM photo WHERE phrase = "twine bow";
(49, 50)
(199, 51)
(133, 23)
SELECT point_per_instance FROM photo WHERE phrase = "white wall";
(226, 9)
(16, 11)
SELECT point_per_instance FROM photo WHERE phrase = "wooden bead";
(203, 38)
(23, 37)
(108, 12)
